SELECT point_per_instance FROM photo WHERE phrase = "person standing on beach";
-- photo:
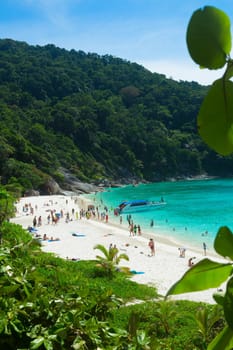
(204, 248)
(131, 229)
(190, 261)
(139, 230)
(39, 221)
(48, 219)
(151, 244)
(182, 252)
(34, 222)
(129, 219)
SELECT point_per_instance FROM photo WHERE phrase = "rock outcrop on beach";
(31, 193)
(80, 187)
(72, 184)
(52, 187)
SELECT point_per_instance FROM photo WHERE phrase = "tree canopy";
(97, 116)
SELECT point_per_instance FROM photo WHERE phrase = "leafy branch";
(209, 44)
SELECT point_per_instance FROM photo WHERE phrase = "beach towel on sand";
(137, 272)
(78, 234)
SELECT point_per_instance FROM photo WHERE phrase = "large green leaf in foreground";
(228, 304)
(209, 37)
(223, 243)
(215, 118)
(224, 340)
(204, 275)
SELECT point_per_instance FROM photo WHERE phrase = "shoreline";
(77, 238)
(164, 237)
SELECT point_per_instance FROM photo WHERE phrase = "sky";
(149, 32)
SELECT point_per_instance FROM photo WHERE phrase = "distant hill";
(97, 117)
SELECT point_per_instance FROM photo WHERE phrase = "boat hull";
(139, 207)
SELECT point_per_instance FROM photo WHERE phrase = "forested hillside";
(97, 116)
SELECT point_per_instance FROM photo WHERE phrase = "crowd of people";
(97, 212)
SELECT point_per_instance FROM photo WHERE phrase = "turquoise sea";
(194, 212)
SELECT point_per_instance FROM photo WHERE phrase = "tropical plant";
(165, 312)
(111, 259)
(209, 44)
(50, 303)
(208, 321)
(7, 209)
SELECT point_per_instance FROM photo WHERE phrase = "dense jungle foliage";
(97, 116)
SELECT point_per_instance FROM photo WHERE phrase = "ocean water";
(194, 212)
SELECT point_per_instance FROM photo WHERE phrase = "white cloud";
(182, 70)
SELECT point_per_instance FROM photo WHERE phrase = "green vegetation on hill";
(97, 116)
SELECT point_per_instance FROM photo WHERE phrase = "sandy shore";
(77, 239)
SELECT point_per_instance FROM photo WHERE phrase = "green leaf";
(48, 344)
(3, 323)
(229, 71)
(228, 303)
(224, 340)
(8, 290)
(17, 326)
(215, 118)
(142, 338)
(209, 37)
(79, 345)
(36, 343)
(223, 243)
(204, 275)
(219, 298)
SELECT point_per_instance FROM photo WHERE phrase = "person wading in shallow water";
(204, 248)
(151, 244)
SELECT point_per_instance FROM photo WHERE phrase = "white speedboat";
(138, 205)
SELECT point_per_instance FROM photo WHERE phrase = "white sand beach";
(77, 238)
